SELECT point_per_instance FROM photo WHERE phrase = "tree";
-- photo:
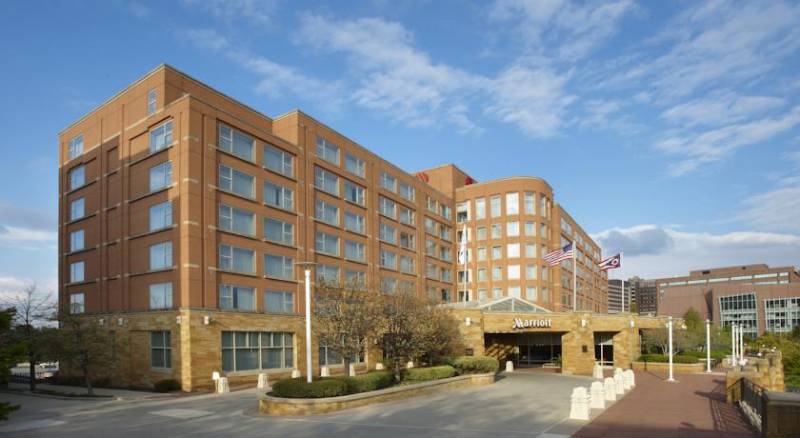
(655, 340)
(84, 345)
(10, 353)
(692, 320)
(33, 310)
(346, 316)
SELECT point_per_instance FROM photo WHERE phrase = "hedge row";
(665, 358)
(430, 373)
(476, 364)
(332, 386)
(369, 381)
(715, 354)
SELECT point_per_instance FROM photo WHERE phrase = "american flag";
(555, 257)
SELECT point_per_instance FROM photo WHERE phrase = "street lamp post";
(733, 344)
(708, 346)
(669, 324)
(308, 317)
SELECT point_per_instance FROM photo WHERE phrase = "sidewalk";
(692, 407)
(120, 394)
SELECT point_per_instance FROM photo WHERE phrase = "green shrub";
(299, 388)
(167, 385)
(476, 364)
(715, 354)
(369, 382)
(430, 373)
(663, 358)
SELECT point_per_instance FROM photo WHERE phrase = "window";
(236, 142)
(512, 229)
(514, 291)
(431, 271)
(495, 205)
(543, 206)
(407, 191)
(152, 97)
(446, 211)
(512, 203)
(76, 271)
(407, 240)
(407, 216)
(161, 349)
(161, 256)
(236, 259)
(76, 303)
(237, 220)
(481, 294)
(480, 233)
(512, 250)
(278, 196)
(388, 285)
(354, 222)
(530, 228)
(430, 226)
(530, 293)
(462, 212)
(446, 275)
(160, 215)
(530, 203)
(430, 248)
(530, 272)
(278, 160)
(233, 297)
(431, 204)
(75, 147)
(530, 250)
(481, 274)
(327, 151)
(407, 265)
(445, 253)
(161, 137)
(77, 209)
(243, 351)
(278, 231)
(161, 296)
(387, 234)
(355, 251)
(76, 240)
(327, 243)
(387, 207)
(355, 165)
(355, 278)
(278, 266)
(497, 292)
(481, 254)
(160, 176)
(278, 302)
(497, 252)
(327, 273)
(497, 273)
(388, 182)
(513, 272)
(388, 259)
(327, 213)
(242, 184)
(77, 177)
(354, 193)
(446, 233)
(326, 181)
(497, 231)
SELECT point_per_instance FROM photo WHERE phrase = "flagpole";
(623, 284)
(574, 276)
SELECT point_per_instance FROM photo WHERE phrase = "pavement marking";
(183, 414)
(33, 424)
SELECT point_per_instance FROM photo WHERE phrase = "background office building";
(644, 295)
(756, 297)
(616, 298)
(183, 216)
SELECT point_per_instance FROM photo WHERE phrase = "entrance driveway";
(519, 404)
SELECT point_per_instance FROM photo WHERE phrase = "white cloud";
(11, 234)
(652, 251)
(720, 109)
(776, 209)
(12, 287)
(258, 12)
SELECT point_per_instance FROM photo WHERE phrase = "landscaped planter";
(270, 405)
(683, 368)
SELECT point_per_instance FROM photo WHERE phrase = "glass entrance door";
(604, 348)
(538, 348)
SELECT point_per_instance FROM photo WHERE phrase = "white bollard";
(579, 406)
(597, 372)
(410, 364)
(626, 384)
(352, 370)
(378, 366)
(263, 381)
(509, 366)
(222, 386)
(598, 396)
(619, 384)
(617, 370)
(295, 373)
(630, 378)
(610, 389)
(324, 372)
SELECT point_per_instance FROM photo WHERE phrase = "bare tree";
(33, 311)
(402, 316)
(83, 344)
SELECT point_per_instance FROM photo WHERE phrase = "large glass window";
(495, 205)
(278, 266)
(530, 203)
(278, 196)
(236, 142)
(512, 203)
(355, 165)
(326, 181)
(161, 296)
(237, 220)
(328, 273)
(234, 181)
(388, 259)
(77, 209)
(530, 228)
(354, 222)
(236, 259)
(740, 309)
(512, 229)
(161, 349)
(278, 302)
(160, 176)
(327, 243)
(513, 272)
(388, 182)
(480, 208)
(76, 272)
(160, 215)
(75, 147)
(76, 303)
(161, 256)
(387, 207)
(355, 251)
(278, 160)
(782, 314)
(406, 216)
(327, 151)
(354, 193)
(232, 297)
(77, 177)
(407, 240)
(387, 233)
(407, 265)
(278, 231)
(327, 212)
(407, 191)
(161, 137)
(246, 351)
(76, 240)
(512, 250)
(530, 272)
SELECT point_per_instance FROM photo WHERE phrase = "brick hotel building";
(183, 214)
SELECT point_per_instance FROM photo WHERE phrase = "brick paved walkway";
(693, 407)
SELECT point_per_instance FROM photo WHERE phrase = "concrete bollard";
(324, 372)
(619, 384)
(222, 386)
(579, 406)
(263, 381)
(378, 366)
(610, 389)
(509, 366)
(598, 396)
(410, 364)
(630, 377)
(597, 372)
(617, 370)
(352, 370)
(295, 373)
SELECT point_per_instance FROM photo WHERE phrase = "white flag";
(462, 247)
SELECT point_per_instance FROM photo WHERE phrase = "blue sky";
(670, 130)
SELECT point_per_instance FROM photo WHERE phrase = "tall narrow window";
(480, 208)
(161, 137)
(530, 203)
(152, 101)
(512, 203)
(77, 177)
(236, 142)
(495, 201)
(76, 272)
(161, 256)
(161, 349)
(77, 209)
(76, 303)
(160, 176)
(76, 242)
(75, 147)
(160, 215)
